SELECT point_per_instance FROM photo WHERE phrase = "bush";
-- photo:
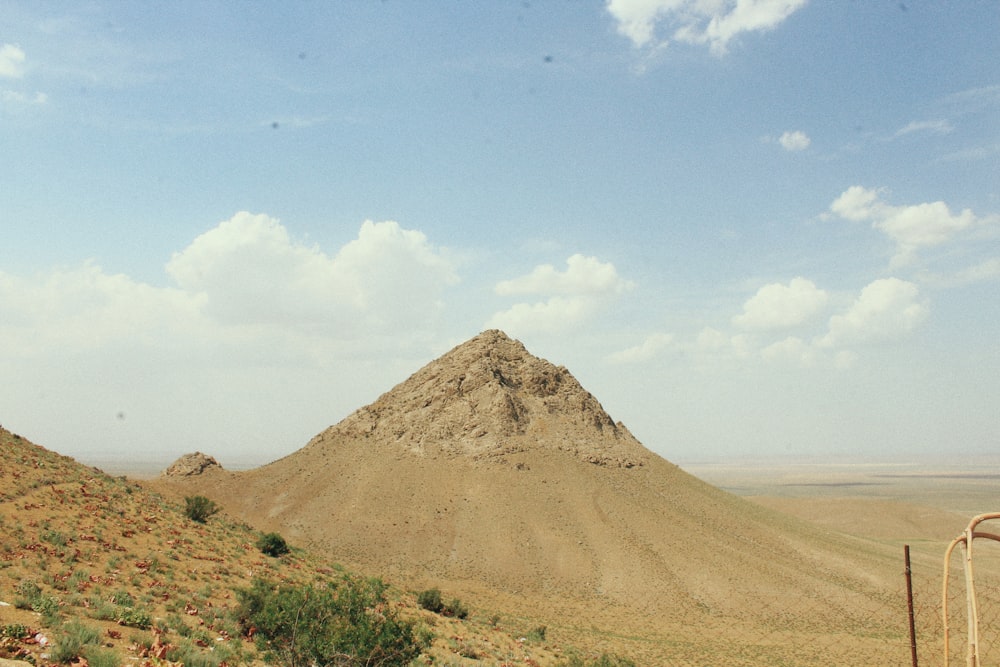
(28, 594)
(272, 544)
(133, 618)
(431, 600)
(71, 641)
(98, 657)
(15, 631)
(455, 608)
(199, 508)
(344, 623)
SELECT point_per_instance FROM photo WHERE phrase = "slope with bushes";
(100, 571)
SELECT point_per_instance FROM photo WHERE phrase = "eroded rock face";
(190, 465)
(489, 397)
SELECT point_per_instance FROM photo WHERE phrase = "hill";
(494, 473)
(104, 571)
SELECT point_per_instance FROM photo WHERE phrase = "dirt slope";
(494, 472)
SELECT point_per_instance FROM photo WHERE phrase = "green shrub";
(71, 640)
(133, 618)
(431, 600)
(455, 608)
(28, 594)
(122, 599)
(54, 537)
(98, 657)
(15, 631)
(537, 634)
(338, 623)
(199, 508)
(272, 544)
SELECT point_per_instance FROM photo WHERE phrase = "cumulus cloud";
(777, 306)
(575, 295)
(911, 228)
(244, 273)
(794, 141)
(711, 22)
(251, 271)
(886, 310)
(11, 62)
(85, 308)
(646, 350)
(583, 276)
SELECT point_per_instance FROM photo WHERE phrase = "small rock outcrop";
(190, 465)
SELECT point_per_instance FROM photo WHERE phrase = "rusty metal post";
(909, 605)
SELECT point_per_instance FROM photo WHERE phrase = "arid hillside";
(494, 473)
(100, 571)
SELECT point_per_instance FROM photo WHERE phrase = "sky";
(753, 229)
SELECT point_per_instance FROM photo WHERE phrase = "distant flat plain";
(888, 501)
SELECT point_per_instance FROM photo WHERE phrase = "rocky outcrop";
(190, 465)
(490, 397)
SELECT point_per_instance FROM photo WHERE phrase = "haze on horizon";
(755, 230)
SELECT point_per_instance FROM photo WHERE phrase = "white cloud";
(575, 295)
(71, 310)
(794, 141)
(252, 272)
(556, 315)
(887, 309)
(931, 126)
(583, 275)
(711, 22)
(777, 306)
(645, 351)
(912, 228)
(11, 62)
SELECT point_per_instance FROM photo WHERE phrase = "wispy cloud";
(928, 126)
(12, 59)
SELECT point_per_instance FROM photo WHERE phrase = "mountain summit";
(489, 398)
(493, 473)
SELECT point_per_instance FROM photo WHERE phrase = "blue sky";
(765, 229)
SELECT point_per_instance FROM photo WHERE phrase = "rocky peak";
(487, 398)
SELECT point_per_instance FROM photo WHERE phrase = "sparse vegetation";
(272, 544)
(431, 600)
(199, 508)
(72, 640)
